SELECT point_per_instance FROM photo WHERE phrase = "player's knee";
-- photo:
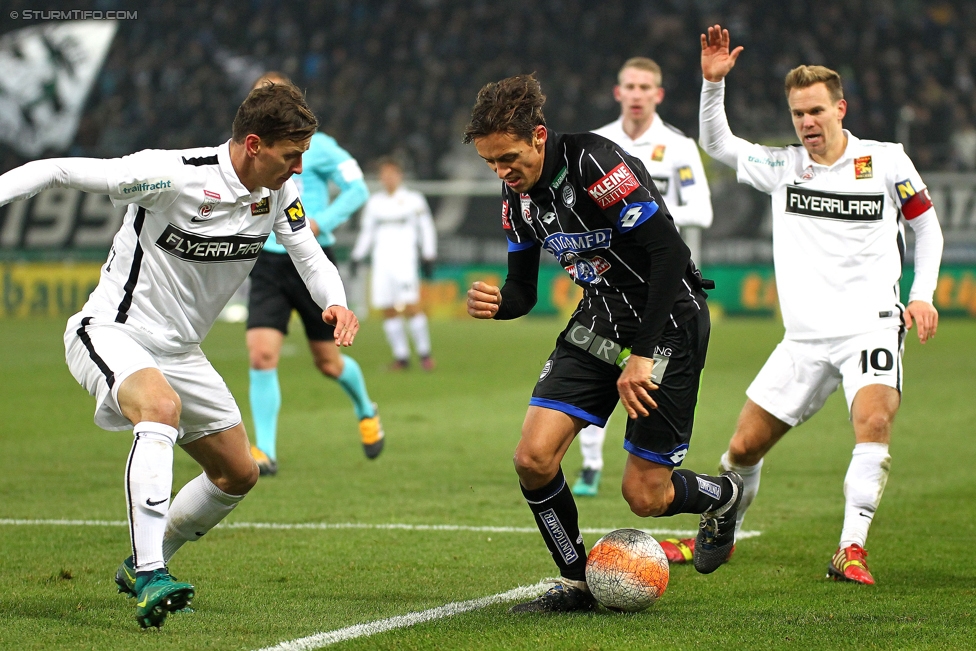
(262, 359)
(239, 481)
(330, 367)
(161, 409)
(534, 469)
(743, 454)
(875, 426)
(645, 501)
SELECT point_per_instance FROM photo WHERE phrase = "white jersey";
(674, 163)
(394, 228)
(189, 238)
(838, 236)
(838, 241)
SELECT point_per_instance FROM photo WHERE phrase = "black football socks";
(555, 513)
(694, 493)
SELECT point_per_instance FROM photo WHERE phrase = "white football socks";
(591, 440)
(420, 334)
(863, 487)
(148, 483)
(197, 509)
(750, 485)
(396, 335)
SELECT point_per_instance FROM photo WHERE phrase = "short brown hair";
(806, 76)
(275, 112)
(512, 105)
(642, 63)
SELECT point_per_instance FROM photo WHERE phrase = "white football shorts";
(799, 376)
(394, 287)
(102, 356)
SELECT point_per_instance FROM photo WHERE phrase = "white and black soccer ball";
(627, 570)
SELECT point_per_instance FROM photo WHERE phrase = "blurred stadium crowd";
(395, 75)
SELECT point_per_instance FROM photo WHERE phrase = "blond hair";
(806, 76)
(641, 63)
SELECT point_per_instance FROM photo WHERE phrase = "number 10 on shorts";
(880, 359)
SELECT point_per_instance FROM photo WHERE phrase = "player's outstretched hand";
(483, 300)
(926, 316)
(634, 384)
(716, 60)
(345, 322)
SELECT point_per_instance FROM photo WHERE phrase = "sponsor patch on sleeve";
(685, 176)
(506, 215)
(863, 169)
(296, 215)
(634, 214)
(913, 203)
(614, 186)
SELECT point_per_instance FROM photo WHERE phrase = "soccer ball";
(627, 570)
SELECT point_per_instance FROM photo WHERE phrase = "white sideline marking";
(320, 640)
(681, 533)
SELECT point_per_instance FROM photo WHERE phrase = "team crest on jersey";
(569, 195)
(863, 169)
(210, 199)
(614, 186)
(587, 271)
(658, 154)
(296, 215)
(526, 208)
(686, 177)
(506, 220)
(807, 174)
(262, 207)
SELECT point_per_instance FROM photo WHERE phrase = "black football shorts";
(276, 290)
(578, 382)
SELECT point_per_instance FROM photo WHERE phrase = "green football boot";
(588, 484)
(125, 578)
(159, 595)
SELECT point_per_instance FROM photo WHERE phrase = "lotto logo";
(613, 187)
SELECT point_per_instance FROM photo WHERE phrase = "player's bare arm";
(483, 300)
(634, 384)
(716, 60)
(345, 322)
(925, 315)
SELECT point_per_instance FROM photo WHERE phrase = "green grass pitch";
(451, 434)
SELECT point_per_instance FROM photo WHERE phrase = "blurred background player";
(838, 243)
(277, 289)
(396, 225)
(673, 161)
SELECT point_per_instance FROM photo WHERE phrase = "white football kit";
(394, 228)
(838, 245)
(189, 239)
(674, 163)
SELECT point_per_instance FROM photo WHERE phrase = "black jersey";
(596, 209)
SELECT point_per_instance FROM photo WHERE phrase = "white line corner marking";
(320, 640)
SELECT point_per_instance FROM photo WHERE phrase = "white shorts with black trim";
(799, 376)
(102, 355)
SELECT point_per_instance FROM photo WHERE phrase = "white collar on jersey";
(853, 150)
(232, 180)
(645, 138)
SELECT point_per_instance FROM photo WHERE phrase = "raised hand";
(716, 60)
